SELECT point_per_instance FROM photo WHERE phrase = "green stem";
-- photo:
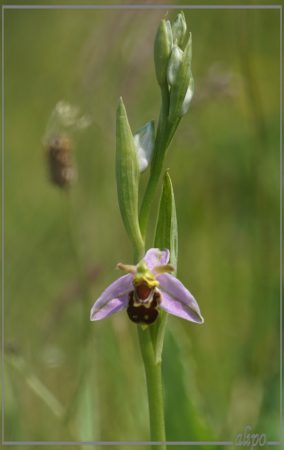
(157, 163)
(172, 129)
(149, 193)
(153, 379)
(163, 141)
(152, 364)
(154, 389)
(164, 112)
(139, 251)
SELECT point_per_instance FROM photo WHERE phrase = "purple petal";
(177, 300)
(113, 299)
(156, 257)
(113, 306)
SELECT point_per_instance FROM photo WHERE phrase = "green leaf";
(182, 389)
(86, 415)
(127, 177)
(166, 237)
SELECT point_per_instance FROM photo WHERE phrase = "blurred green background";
(61, 250)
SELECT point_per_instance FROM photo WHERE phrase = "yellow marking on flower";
(144, 275)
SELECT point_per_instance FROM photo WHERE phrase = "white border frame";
(138, 7)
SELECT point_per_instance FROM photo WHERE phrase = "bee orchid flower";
(145, 289)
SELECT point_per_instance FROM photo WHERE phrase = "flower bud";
(144, 140)
(181, 84)
(174, 63)
(162, 50)
(179, 30)
(188, 96)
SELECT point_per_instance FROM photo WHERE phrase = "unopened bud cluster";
(135, 152)
(173, 55)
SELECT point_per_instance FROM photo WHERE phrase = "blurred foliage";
(61, 248)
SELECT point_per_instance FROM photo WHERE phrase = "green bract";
(166, 230)
(166, 237)
(127, 175)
